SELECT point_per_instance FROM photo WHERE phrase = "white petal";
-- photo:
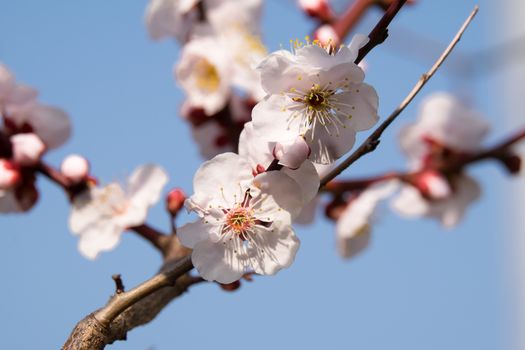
(292, 154)
(363, 103)
(145, 185)
(223, 178)
(103, 236)
(194, 232)
(276, 248)
(51, 124)
(327, 148)
(254, 148)
(409, 202)
(307, 179)
(219, 262)
(27, 149)
(280, 196)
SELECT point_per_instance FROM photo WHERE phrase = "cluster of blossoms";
(216, 66)
(29, 129)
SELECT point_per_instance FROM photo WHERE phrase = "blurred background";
(416, 287)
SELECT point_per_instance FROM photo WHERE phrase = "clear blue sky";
(417, 287)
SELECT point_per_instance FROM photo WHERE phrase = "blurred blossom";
(354, 223)
(99, 215)
(27, 149)
(171, 18)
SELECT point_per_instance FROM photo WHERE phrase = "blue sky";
(417, 287)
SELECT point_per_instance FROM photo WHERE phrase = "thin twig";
(119, 285)
(152, 235)
(380, 32)
(372, 141)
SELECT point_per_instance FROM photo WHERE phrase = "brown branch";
(158, 239)
(380, 32)
(372, 141)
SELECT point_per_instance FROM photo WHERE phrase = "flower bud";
(319, 9)
(175, 201)
(9, 174)
(292, 155)
(433, 185)
(75, 168)
(27, 149)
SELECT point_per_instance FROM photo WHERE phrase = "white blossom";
(445, 120)
(100, 214)
(317, 95)
(353, 226)
(449, 210)
(205, 72)
(244, 221)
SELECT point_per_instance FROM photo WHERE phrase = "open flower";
(353, 225)
(244, 221)
(100, 214)
(318, 95)
(205, 73)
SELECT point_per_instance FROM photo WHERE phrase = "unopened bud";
(27, 149)
(319, 9)
(75, 168)
(292, 155)
(175, 201)
(327, 36)
(9, 174)
(433, 185)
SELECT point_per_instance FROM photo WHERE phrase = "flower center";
(239, 219)
(206, 76)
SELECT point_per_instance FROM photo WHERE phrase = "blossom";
(445, 122)
(353, 224)
(27, 149)
(99, 215)
(317, 95)
(259, 154)
(204, 72)
(449, 210)
(445, 131)
(171, 18)
(244, 221)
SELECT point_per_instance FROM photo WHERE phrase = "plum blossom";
(445, 122)
(244, 221)
(260, 154)
(204, 72)
(446, 131)
(99, 215)
(171, 18)
(410, 203)
(317, 95)
(353, 224)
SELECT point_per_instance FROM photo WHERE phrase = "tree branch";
(372, 141)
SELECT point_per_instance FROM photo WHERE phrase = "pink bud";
(27, 149)
(433, 185)
(327, 36)
(9, 174)
(75, 168)
(175, 201)
(317, 8)
(292, 155)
